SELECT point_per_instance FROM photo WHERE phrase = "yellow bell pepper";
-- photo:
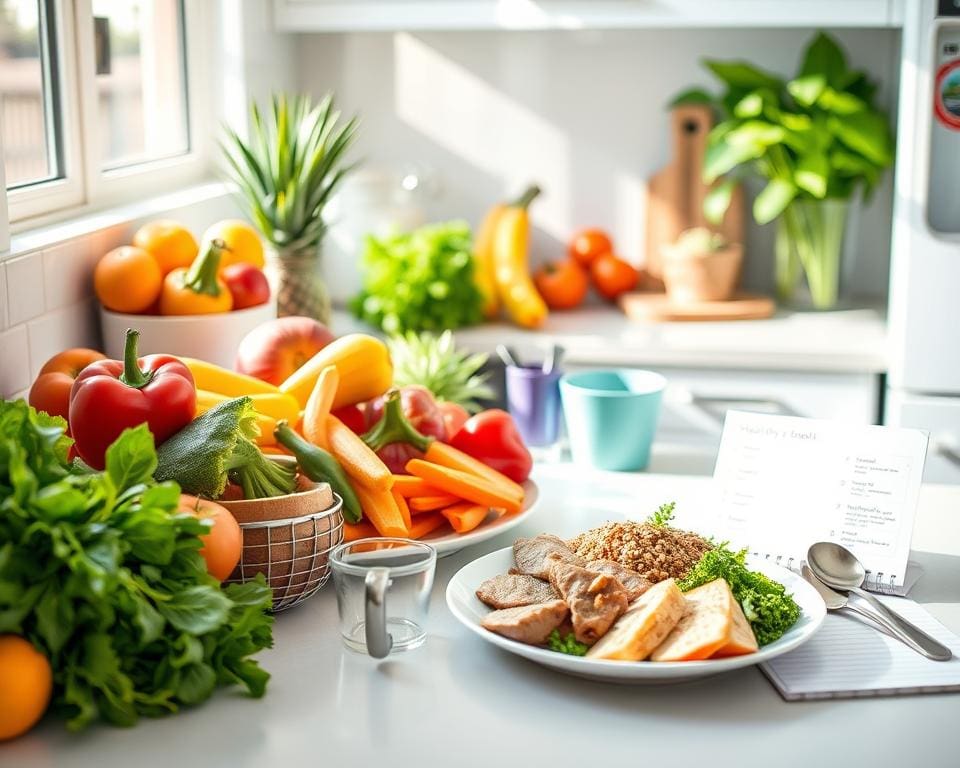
(223, 381)
(198, 290)
(511, 242)
(362, 361)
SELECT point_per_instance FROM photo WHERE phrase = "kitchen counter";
(841, 341)
(460, 701)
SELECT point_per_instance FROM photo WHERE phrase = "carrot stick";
(361, 530)
(453, 458)
(380, 508)
(356, 458)
(318, 406)
(425, 524)
(466, 516)
(430, 503)
(404, 509)
(409, 486)
(466, 486)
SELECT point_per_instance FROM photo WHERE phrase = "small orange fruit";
(127, 279)
(242, 241)
(26, 682)
(170, 243)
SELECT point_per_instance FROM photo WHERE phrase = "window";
(94, 103)
(27, 113)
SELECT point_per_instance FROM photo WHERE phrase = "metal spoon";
(837, 567)
(837, 602)
(506, 355)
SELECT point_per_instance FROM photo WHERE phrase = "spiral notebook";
(783, 483)
(850, 659)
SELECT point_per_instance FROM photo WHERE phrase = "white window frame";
(85, 185)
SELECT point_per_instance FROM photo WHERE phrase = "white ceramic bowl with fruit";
(185, 299)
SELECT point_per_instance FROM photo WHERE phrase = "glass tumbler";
(383, 593)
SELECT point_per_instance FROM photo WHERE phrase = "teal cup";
(612, 416)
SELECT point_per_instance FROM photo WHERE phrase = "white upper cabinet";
(346, 15)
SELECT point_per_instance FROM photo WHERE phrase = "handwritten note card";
(785, 482)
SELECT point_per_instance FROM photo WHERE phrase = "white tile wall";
(68, 272)
(3, 296)
(72, 326)
(14, 360)
(25, 288)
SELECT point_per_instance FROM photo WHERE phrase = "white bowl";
(214, 338)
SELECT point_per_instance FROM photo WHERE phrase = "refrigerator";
(923, 382)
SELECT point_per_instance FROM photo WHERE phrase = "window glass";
(140, 80)
(26, 119)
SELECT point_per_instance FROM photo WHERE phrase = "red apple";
(276, 349)
(247, 284)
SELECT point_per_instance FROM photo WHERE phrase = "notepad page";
(848, 659)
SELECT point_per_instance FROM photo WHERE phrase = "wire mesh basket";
(292, 553)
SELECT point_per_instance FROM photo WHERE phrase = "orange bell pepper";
(198, 290)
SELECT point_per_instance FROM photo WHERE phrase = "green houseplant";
(286, 171)
(817, 139)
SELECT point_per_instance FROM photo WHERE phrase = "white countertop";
(841, 341)
(459, 701)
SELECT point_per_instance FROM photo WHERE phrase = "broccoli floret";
(566, 644)
(768, 607)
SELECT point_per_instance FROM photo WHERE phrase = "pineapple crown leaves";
(290, 166)
(436, 363)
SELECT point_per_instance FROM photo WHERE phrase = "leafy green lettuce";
(103, 575)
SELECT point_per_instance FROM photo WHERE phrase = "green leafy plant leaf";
(824, 57)
(807, 89)
(131, 460)
(812, 174)
(743, 75)
(717, 200)
(773, 199)
(866, 133)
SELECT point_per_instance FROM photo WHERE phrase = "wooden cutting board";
(675, 194)
(657, 307)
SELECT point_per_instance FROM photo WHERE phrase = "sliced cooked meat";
(529, 623)
(596, 600)
(515, 590)
(633, 582)
(535, 556)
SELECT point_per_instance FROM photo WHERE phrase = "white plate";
(463, 602)
(448, 543)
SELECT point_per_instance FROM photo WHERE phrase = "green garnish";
(568, 644)
(663, 515)
(768, 607)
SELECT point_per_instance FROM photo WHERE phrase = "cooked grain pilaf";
(656, 552)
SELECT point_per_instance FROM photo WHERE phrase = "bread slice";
(741, 640)
(648, 620)
(705, 628)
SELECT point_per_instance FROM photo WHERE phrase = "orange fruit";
(127, 279)
(168, 242)
(242, 241)
(223, 545)
(26, 682)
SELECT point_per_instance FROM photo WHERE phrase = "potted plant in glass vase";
(286, 171)
(817, 139)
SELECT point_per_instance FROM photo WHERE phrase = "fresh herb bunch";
(819, 135)
(435, 363)
(768, 607)
(420, 280)
(568, 644)
(100, 572)
(289, 168)
(663, 515)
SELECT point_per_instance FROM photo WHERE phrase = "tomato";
(51, 390)
(221, 547)
(563, 285)
(247, 284)
(588, 244)
(613, 276)
(26, 683)
(454, 416)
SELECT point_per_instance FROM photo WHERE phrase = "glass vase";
(810, 240)
(296, 281)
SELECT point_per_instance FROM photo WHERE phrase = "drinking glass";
(383, 593)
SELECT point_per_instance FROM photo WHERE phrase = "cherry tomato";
(247, 284)
(563, 285)
(588, 244)
(222, 546)
(613, 276)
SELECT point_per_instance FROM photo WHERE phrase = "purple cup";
(533, 399)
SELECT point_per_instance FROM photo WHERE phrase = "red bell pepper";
(110, 396)
(492, 437)
(397, 416)
(354, 416)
